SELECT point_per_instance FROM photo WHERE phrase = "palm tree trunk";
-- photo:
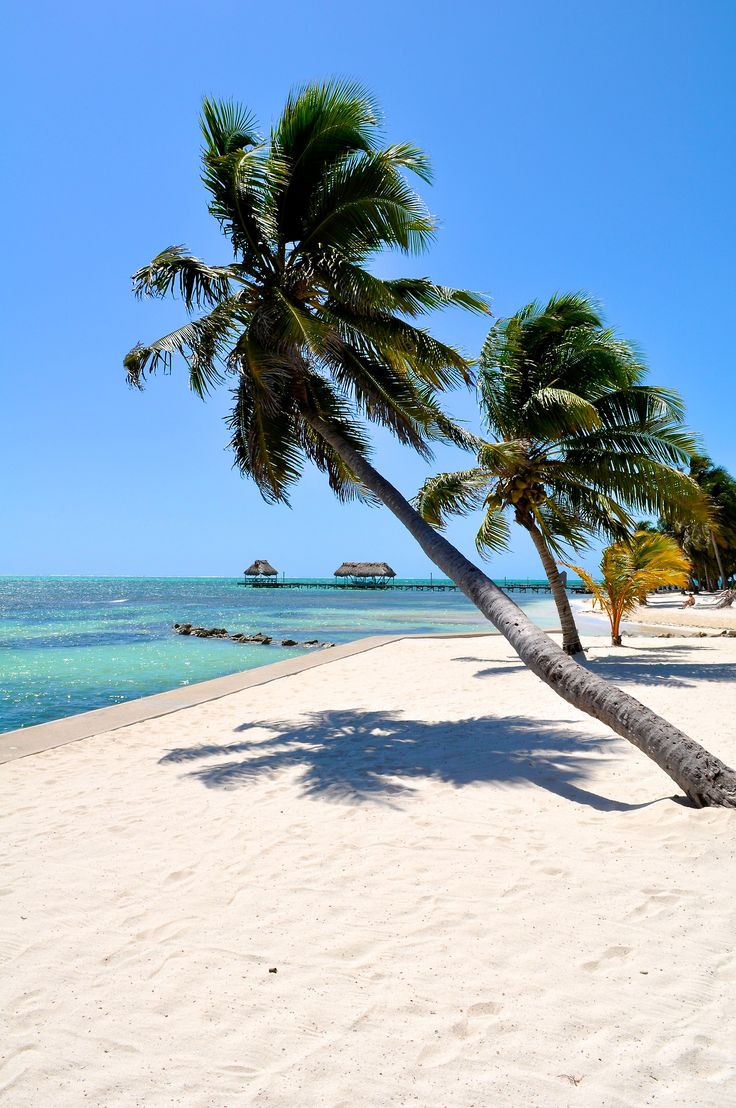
(571, 643)
(616, 629)
(704, 778)
(717, 553)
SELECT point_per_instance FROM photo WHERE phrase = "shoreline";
(664, 610)
(77, 645)
(22, 742)
(34, 739)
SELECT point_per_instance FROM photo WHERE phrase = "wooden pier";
(401, 586)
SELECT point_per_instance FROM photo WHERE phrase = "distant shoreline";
(665, 611)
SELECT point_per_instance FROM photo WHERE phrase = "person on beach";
(689, 602)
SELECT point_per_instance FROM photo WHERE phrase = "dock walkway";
(401, 586)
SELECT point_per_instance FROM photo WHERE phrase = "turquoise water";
(68, 645)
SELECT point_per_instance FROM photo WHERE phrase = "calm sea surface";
(72, 644)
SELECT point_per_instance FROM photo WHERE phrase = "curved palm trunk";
(704, 778)
(571, 643)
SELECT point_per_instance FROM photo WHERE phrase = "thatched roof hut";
(364, 569)
(261, 568)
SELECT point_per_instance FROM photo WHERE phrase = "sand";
(665, 610)
(471, 893)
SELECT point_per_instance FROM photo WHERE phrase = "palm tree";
(312, 341)
(630, 570)
(708, 543)
(579, 439)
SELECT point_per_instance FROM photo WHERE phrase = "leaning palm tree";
(313, 341)
(579, 440)
(630, 570)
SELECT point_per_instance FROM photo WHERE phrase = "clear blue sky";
(575, 146)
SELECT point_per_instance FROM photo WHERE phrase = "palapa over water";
(364, 569)
(261, 568)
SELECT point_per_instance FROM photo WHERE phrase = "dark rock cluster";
(223, 633)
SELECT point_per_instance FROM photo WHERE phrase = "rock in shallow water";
(241, 637)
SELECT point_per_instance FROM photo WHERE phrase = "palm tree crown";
(297, 320)
(579, 439)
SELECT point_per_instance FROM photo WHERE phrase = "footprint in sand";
(445, 1051)
(485, 1008)
(657, 901)
(614, 953)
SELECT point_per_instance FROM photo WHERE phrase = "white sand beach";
(471, 894)
(665, 610)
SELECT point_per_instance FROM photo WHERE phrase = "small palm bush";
(630, 570)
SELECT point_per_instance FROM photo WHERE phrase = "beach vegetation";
(710, 545)
(580, 441)
(631, 569)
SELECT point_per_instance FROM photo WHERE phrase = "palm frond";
(639, 481)
(321, 125)
(227, 126)
(639, 405)
(573, 514)
(242, 185)
(494, 534)
(174, 269)
(407, 348)
(665, 442)
(440, 427)
(556, 411)
(202, 343)
(364, 204)
(359, 291)
(502, 459)
(451, 494)
(265, 434)
(405, 156)
(326, 403)
(383, 395)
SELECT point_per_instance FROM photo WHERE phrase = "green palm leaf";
(227, 127)
(174, 270)
(450, 494)
(494, 533)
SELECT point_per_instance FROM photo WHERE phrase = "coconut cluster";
(521, 487)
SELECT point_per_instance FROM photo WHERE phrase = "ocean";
(71, 644)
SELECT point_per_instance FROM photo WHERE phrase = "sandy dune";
(471, 893)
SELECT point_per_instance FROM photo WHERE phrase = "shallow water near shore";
(69, 645)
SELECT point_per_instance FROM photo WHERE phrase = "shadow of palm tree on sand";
(357, 756)
(635, 664)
